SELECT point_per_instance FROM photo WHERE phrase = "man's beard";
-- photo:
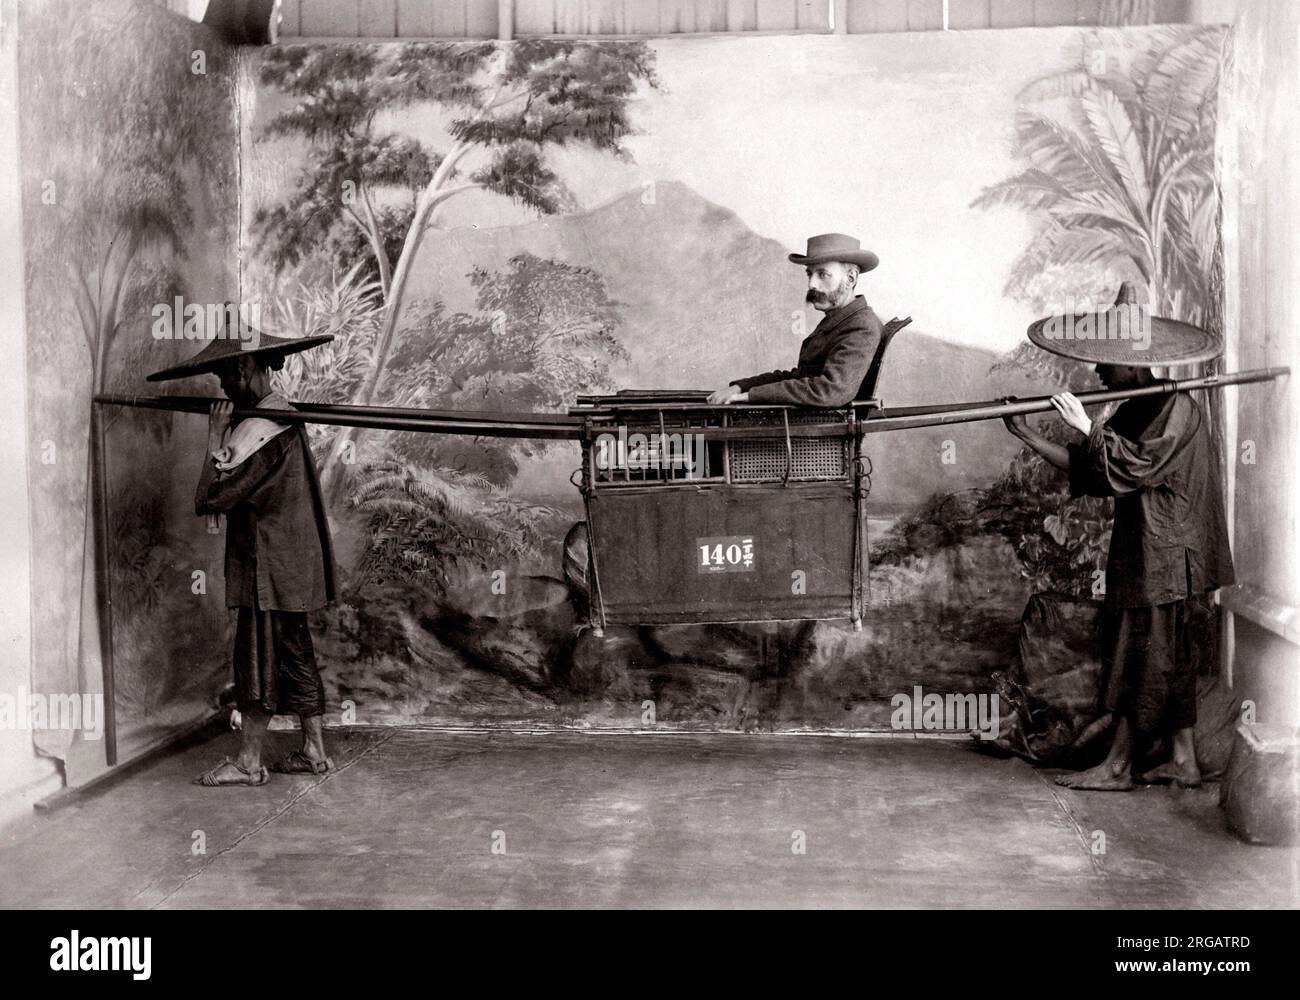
(821, 300)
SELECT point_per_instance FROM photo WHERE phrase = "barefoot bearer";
(1169, 541)
(279, 562)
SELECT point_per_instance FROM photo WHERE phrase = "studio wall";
(128, 145)
(1261, 171)
(24, 776)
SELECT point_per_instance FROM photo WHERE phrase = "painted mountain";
(705, 300)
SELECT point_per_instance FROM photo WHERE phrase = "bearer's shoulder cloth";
(246, 438)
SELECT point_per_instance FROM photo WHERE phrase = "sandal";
(212, 778)
(299, 763)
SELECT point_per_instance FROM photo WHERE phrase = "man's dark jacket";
(1156, 457)
(833, 362)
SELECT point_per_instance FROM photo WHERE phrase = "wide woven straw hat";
(1125, 334)
(228, 344)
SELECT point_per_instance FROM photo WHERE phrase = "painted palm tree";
(1121, 172)
(1121, 177)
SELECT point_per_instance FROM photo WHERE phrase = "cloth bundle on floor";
(1052, 696)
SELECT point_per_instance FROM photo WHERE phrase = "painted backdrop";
(505, 227)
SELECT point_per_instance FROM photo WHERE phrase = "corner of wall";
(24, 776)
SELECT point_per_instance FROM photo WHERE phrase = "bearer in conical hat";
(259, 473)
(1169, 541)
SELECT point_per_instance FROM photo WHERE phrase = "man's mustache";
(816, 297)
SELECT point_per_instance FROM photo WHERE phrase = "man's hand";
(1072, 411)
(1016, 424)
(1050, 451)
(218, 422)
(731, 394)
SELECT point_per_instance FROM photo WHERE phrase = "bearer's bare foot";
(1184, 774)
(1108, 776)
(300, 762)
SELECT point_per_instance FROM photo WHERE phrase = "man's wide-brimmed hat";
(227, 344)
(836, 246)
(1125, 334)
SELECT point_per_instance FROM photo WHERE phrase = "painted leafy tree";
(542, 331)
(503, 108)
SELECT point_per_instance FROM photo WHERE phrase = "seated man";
(835, 357)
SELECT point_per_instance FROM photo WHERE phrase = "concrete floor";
(634, 821)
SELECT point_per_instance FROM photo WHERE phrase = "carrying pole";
(553, 426)
(558, 426)
(961, 413)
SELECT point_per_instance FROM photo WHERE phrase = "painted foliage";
(503, 228)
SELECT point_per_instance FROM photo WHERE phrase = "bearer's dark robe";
(279, 556)
(1169, 541)
(833, 362)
